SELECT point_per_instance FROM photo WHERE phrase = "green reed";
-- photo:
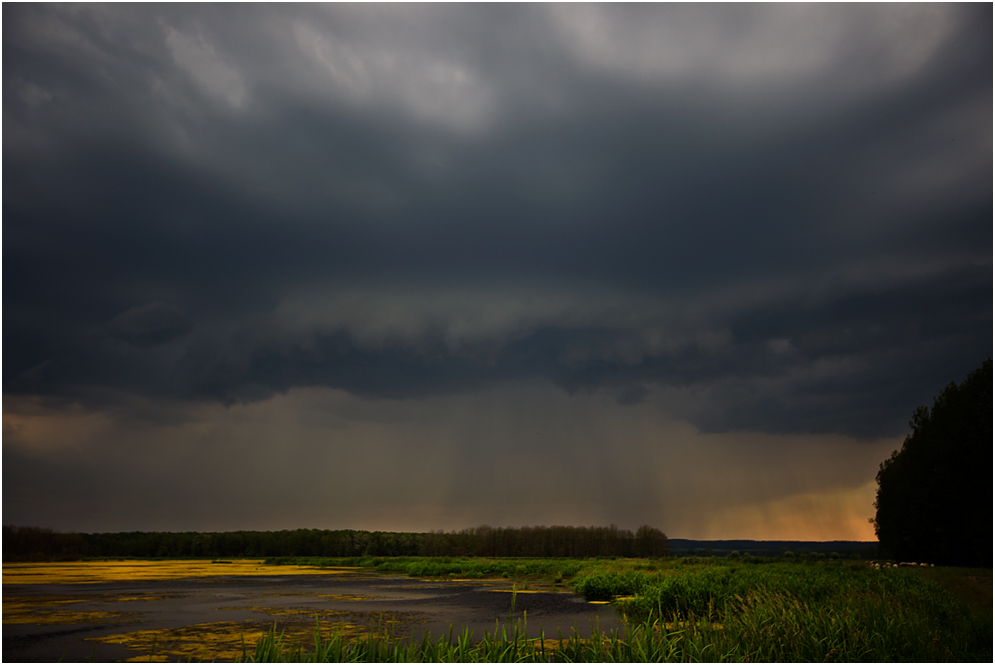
(708, 612)
(768, 628)
(450, 566)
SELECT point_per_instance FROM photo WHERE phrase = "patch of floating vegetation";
(89, 572)
(42, 601)
(329, 596)
(42, 610)
(384, 619)
(24, 611)
(287, 611)
(228, 641)
(66, 617)
(428, 584)
(219, 641)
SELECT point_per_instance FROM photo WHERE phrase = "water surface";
(196, 610)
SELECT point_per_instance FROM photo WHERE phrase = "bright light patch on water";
(90, 572)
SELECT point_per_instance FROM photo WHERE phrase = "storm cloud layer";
(767, 220)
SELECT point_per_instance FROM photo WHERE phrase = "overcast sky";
(414, 267)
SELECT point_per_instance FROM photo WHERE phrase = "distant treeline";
(37, 544)
(848, 548)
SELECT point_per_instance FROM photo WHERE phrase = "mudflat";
(198, 610)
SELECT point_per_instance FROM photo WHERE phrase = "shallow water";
(198, 611)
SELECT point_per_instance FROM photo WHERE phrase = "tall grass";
(697, 612)
(768, 628)
(507, 643)
(711, 588)
(448, 566)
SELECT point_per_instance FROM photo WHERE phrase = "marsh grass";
(768, 628)
(464, 567)
(699, 611)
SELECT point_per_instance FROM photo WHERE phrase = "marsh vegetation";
(437, 609)
(705, 610)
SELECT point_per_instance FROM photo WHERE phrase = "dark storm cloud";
(783, 212)
(150, 325)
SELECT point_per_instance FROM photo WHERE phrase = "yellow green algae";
(221, 640)
(225, 640)
(375, 618)
(48, 609)
(278, 611)
(327, 596)
(217, 641)
(89, 572)
(75, 608)
(42, 617)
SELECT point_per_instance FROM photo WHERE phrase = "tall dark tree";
(651, 542)
(934, 499)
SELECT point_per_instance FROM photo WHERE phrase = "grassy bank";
(707, 610)
(472, 568)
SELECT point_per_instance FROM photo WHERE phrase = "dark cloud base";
(211, 205)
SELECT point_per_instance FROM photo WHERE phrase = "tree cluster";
(934, 495)
(543, 541)
(34, 544)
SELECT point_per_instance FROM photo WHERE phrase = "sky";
(417, 267)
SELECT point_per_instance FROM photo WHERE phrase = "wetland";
(198, 610)
(476, 609)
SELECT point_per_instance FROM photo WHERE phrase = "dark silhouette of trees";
(651, 542)
(934, 495)
(34, 544)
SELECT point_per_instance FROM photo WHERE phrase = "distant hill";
(685, 547)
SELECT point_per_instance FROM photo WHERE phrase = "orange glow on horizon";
(836, 515)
